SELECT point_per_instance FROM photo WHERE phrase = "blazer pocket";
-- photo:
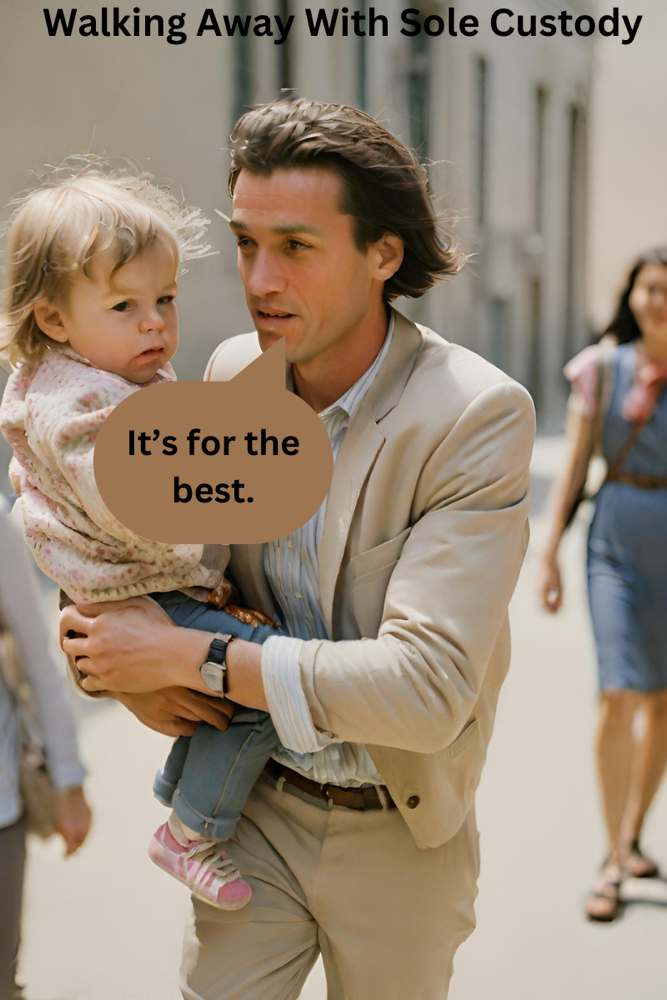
(464, 739)
(368, 576)
(379, 558)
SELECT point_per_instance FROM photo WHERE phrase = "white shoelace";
(211, 857)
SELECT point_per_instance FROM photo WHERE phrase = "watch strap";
(218, 651)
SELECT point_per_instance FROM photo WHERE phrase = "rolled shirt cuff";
(68, 774)
(287, 702)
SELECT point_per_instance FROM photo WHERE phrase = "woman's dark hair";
(385, 186)
(624, 326)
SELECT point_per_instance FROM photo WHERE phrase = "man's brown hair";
(385, 187)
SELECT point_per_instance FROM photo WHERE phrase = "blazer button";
(412, 802)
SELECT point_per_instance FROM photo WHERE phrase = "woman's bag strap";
(604, 389)
(625, 450)
(630, 443)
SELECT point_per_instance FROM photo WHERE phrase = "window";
(482, 140)
(539, 159)
(535, 341)
(419, 92)
(242, 89)
(499, 332)
(535, 289)
(362, 62)
(285, 68)
(575, 235)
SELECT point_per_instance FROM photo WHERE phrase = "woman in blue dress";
(619, 407)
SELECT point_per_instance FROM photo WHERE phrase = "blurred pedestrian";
(20, 615)
(619, 407)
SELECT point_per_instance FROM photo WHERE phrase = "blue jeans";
(208, 777)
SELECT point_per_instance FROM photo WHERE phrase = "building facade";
(503, 121)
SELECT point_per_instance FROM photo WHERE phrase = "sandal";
(638, 865)
(604, 900)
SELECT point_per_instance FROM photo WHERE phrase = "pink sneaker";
(203, 866)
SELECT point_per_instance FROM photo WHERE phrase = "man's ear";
(50, 320)
(386, 256)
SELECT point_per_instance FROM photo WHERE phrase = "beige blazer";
(424, 535)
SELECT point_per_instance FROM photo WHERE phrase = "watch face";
(213, 676)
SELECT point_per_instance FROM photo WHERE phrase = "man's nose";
(264, 276)
(152, 321)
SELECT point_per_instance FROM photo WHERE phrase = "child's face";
(125, 322)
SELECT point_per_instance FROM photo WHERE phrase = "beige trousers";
(386, 915)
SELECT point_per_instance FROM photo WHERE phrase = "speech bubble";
(244, 461)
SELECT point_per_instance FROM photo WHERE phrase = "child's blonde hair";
(84, 207)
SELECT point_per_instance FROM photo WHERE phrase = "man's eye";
(296, 245)
(121, 307)
(244, 243)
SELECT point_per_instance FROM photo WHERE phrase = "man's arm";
(416, 684)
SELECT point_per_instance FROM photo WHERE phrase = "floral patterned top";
(51, 417)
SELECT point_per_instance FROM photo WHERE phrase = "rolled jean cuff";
(163, 790)
(218, 828)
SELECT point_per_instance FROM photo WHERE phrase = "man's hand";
(177, 711)
(131, 646)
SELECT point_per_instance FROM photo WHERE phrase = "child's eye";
(121, 307)
(165, 299)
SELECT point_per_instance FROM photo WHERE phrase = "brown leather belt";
(643, 481)
(350, 798)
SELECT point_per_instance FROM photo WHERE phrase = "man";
(359, 840)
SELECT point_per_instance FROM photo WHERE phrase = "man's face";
(304, 277)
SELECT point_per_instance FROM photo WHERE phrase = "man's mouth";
(274, 314)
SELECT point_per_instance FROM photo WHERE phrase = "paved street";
(107, 925)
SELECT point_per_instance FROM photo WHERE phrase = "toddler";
(90, 318)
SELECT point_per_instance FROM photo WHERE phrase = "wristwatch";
(214, 667)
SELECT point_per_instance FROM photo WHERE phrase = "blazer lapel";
(361, 444)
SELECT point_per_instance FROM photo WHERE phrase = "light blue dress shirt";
(292, 569)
